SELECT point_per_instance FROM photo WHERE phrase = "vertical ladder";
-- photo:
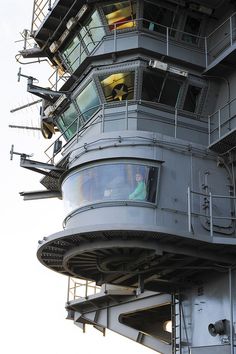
(176, 324)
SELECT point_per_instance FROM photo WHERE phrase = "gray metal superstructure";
(142, 104)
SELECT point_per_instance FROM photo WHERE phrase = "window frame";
(73, 102)
(110, 70)
(77, 34)
(105, 22)
(181, 22)
(165, 75)
(114, 202)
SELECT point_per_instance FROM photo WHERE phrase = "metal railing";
(167, 34)
(103, 115)
(211, 46)
(223, 37)
(208, 202)
(80, 288)
(222, 121)
(40, 11)
(55, 79)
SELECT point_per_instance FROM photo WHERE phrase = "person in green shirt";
(140, 191)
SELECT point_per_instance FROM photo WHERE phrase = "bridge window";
(192, 98)
(83, 42)
(157, 18)
(92, 32)
(111, 182)
(88, 101)
(118, 87)
(67, 122)
(161, 88)
(120, 15)
(74, 54)
(192, 29)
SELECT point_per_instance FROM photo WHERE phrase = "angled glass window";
(161, 88)
(157, 18)
(111, 182)
(67, 122)
(83, 42)
(192, 29)
(120, 15)
(118, 87)
(74, 54)
(88, 101)
(92, 33)
(192, 98)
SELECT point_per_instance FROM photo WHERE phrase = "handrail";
(220, 25)
(211, 215)
(39, 5)
(219, 121)
(80, 288)
(38, 10)
(99, 114)
(114, 35)
(168, 30)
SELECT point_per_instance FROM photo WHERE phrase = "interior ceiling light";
(200, 8)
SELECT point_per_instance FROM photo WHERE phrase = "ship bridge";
(142, 99)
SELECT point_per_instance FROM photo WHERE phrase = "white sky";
(32, 297)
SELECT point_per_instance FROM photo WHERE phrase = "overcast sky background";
(32, 297)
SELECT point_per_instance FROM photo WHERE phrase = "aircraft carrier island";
(141, 112)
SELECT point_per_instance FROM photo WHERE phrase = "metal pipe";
(231, 30)
(68, 290)
(209, 130)
(219, 123)
(206, 52)
(210, 214)
(103, 117)
(176, 121)
(189, 211)
(167, 41)
(115, 39)
(126, 115)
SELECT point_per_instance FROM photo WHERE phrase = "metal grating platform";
(224, 144)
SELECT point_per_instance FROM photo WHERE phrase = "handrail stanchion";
(206, 52)
(211, 214)
(176, 121)
(209, 130)
(126, 115)
(77, 128)
(103, 118)
(219, 122)
(167, 41)
(231, 30)
(68, 290)
(189, 211)
(115, 39)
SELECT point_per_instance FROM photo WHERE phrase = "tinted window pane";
(120, 15)
(110, 182)
(192, 98)
(74, 54)
(192, 26)
(170, 92)
(152, 84)
(118, 87)
(161, 88)
(92, 32)
(67, 122)
(158, 18)
(88, 101)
